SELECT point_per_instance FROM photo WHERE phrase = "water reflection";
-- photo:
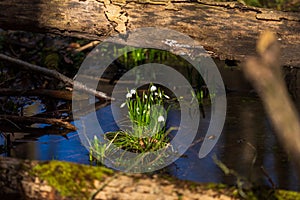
(52, 147)
(247, 137)
(246, 133)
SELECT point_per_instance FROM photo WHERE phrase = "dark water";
(247, 137)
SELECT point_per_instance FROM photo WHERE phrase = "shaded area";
(247, 133)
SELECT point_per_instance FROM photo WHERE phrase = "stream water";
(247, 138)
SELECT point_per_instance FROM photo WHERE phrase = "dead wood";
(55, 74)
(228, 29)
(58, 94)
(31, 133)
(32, 120)
(19, 180)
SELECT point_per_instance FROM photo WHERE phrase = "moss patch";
(216, 186)
(70, 179)
(287, 195)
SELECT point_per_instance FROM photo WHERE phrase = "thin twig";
(89, 45)
(93, 196)
(269, 177)
(55, 74)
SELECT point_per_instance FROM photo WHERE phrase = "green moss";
(70, 179)
(287, 195)
(216, 186)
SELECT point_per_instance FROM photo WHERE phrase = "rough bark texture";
(230, 30)
(17, 181)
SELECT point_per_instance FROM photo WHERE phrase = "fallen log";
(61, 180)
(228, 29)
(57, 180)
(59, 94)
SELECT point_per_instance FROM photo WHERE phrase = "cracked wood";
(228, 29)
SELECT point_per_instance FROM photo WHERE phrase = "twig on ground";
(89, 45)
(57, 75)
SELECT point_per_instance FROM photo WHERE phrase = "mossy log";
(24, 179)
(57, 180)
(228, 29)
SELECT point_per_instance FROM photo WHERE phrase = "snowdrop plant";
(146, 112)
(147, 133)
(147, 117)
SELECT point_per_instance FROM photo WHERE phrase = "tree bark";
(19, 179)
(228, 29)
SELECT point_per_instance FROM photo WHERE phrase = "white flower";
(166, 96)
(122, 105)
(132, 91)
(153, 88)
(155, 93)
(161, 118)
(146, 96)
(128, 95)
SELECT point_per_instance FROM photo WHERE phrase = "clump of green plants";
(144, 55)
(97, 151)
(147, 113)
